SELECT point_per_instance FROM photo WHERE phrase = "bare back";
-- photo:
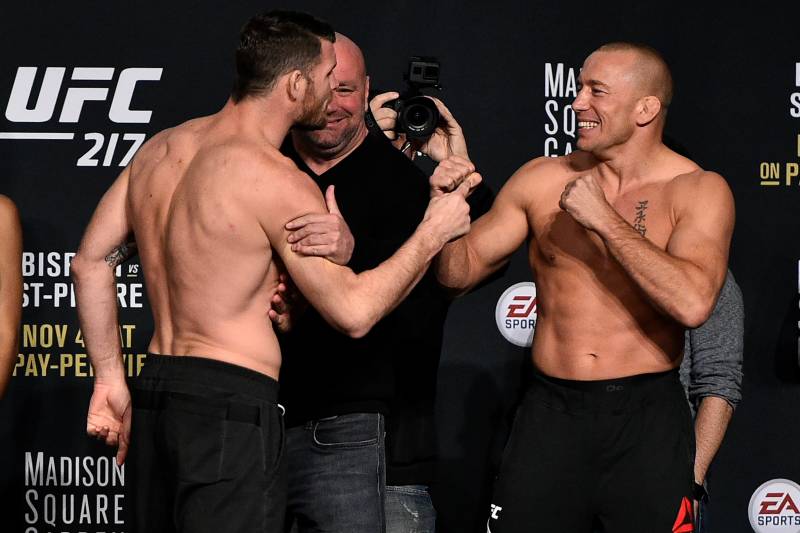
(594, 321)
(207, 261)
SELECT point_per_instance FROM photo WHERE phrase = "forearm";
(454, 269)
(95, 291)
(711, 422)
(369, 296)
(675, 286)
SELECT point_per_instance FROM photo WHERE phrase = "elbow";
(353, 321)
(357, 326)
(695, 313)
(78, 268)
(84, 271)
(453, 286)
(358, 331)
(453, 289)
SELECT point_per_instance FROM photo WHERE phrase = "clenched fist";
(450, 173)
(585, 200)
(447, 216)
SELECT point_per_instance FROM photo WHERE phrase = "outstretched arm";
(10, 288)
(105, 245)
(351, 302)
(463, 263)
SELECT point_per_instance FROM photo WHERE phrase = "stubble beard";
(315, 110)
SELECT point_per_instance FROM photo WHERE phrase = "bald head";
(350, 62)
(345, 127)
(649, 70)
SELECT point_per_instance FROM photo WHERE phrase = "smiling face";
(606, 103)
(344, 119)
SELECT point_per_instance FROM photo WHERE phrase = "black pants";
(206, 449)
(617, 455)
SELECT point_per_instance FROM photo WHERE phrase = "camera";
(417, 115)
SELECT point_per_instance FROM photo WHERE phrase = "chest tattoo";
(641, 216)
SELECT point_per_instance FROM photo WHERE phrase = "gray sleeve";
(713, 354)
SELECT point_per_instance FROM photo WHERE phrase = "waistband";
(607, 394)
(210, 373)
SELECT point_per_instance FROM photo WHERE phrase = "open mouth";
(587, 124)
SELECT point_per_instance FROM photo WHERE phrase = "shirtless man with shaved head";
(208, 202)
(628, 245)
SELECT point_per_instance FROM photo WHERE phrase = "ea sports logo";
(516, 313)
(774, 507)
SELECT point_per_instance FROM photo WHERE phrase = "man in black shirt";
(343, 395)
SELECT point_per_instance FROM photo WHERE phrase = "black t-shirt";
(392, 370)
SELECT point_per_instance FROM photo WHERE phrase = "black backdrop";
(736, 111)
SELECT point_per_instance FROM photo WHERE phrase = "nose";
(334, 83)
(581, 102)
(333, 106)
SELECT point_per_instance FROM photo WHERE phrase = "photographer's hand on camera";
(385, 117)
(447, 139)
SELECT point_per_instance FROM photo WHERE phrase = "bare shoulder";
(263, 166)
(267, 181)
(700, 184)
(179, 139)
(10, 227)
(703, 195)
(541, 171)
(9, 215)
(8, 209)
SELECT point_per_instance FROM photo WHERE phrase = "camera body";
(417, 116)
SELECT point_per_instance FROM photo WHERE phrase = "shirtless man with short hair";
(10, 288)
(628, 244)
(207, 202)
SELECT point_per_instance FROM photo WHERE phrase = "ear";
(647, 109)
(366, 94)
(296, 85)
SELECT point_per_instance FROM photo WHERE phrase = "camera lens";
(419, 117)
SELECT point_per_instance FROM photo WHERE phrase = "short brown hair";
(274, 43)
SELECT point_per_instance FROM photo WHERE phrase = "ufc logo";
(521, 310)
(777, 505)
(120, 111)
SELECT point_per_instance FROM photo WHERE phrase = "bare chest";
(559, 238)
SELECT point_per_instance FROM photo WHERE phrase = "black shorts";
(612, 455)
(206, 451)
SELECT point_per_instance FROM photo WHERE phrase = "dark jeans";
(409, 510)
(337, 475)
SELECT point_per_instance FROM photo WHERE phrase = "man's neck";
(320, 161)
(630, 164)
(262, 117)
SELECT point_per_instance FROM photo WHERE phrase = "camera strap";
(372, 124)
